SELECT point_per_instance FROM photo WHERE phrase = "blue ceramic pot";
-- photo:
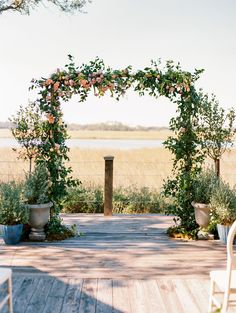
(223, 233)
(12, 233)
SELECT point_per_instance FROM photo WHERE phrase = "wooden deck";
(120, 264)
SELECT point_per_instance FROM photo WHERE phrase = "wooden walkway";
(120, 264)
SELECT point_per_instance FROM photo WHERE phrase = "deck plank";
(185, 297)
(169, 296)
(151, 292)
(88, 296)
(56, 296)
(72, 296)
(22, 295)
(121, 301)
(39, 297)
(104, 296)
(136, 297)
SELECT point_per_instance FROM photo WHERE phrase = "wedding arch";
(169, 80)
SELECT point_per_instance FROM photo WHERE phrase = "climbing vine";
(157, 80)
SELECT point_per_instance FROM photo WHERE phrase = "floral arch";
(169, 81)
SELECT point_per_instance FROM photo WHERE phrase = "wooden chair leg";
(225, 302)
(10, 305)
(212, 290)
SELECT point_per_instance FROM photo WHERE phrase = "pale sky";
(196, 33)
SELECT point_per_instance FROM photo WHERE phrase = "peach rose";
(51, 118)
(49, 82)
(56, 86)
(83, 82)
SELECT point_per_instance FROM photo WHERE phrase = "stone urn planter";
(38, 218)
(202, 213)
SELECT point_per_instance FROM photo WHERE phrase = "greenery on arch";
(157, 80)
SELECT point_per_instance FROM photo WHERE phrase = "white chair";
(6, 277)
(223, 282)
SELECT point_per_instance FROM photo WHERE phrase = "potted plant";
(36, 192)
(203, 187)
(13, 212)
(223, 207)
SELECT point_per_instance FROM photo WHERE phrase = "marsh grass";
(140, 168)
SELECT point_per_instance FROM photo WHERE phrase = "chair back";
(231, 258)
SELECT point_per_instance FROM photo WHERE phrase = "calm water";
(123, 144)
(97, 143)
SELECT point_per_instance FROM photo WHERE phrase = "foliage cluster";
(125, 200)
(12, 207)
(215, 128)
(204, 186)
(28, 129)
(56, 230)
(83, 200)
(37, 185)
(223, 204)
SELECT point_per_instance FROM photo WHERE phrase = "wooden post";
(217, 167)
(108, 185)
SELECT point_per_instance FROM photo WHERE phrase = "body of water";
(124, 144)
(97, 143)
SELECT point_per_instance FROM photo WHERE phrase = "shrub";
(37, 185)
(223, 204)
(204, 186)
(12, 208)
(134, 200)
(83, 200)
(125, 200)
(55, 230)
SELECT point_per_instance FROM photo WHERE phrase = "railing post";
(108, 185)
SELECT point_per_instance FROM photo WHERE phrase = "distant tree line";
(112, 126)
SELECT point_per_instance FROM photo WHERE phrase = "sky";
(198, 34)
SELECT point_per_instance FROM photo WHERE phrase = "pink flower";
(51, 118)
(182, 130)
(56, 86)
(48, 82)
(71, 82)
(57, 146)
(83, 82)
